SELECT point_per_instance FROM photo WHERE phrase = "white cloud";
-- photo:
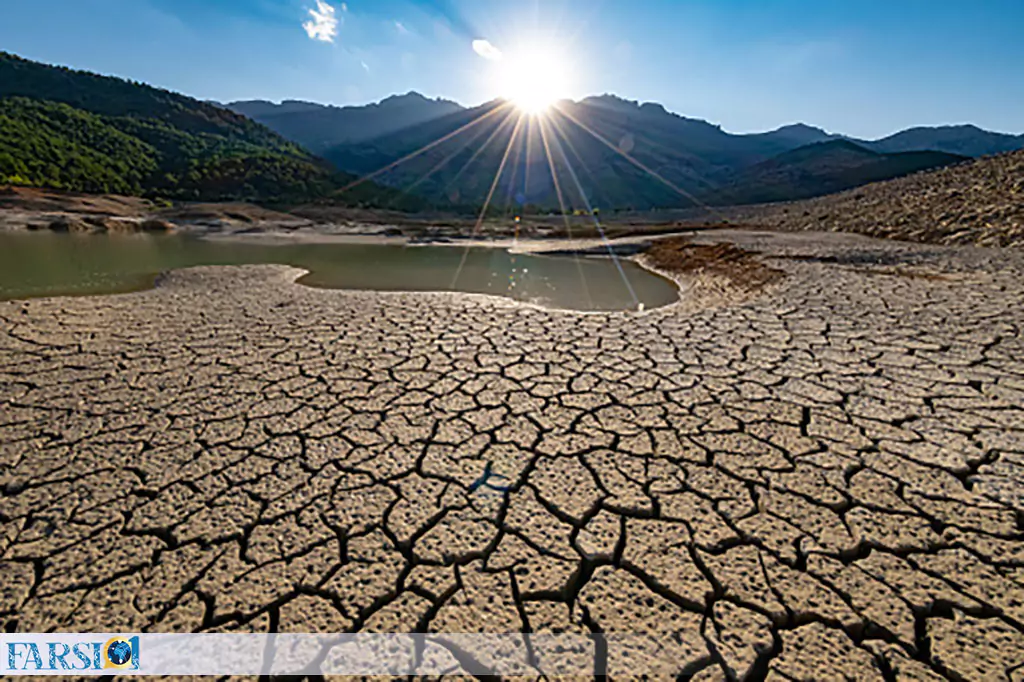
(402, 30)
(323, 25)
(366, 67)
(485, 49)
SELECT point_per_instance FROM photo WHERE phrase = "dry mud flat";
(823, 479)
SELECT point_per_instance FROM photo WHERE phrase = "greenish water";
(48, 264)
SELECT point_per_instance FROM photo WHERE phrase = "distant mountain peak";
(618, 104)
(608, 98)
(319, 127)
(966, 138)
(801, 127)
(965, 127)
(653, 106)
(413, 97)
(797, 135)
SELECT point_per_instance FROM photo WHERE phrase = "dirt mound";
(35, 208)
(739, 266)
(48, 200)
(238, 212)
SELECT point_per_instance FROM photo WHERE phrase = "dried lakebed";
(46, 264)
(820, 480)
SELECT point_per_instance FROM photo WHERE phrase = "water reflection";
(44, 264)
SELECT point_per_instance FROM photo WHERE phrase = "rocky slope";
(980, 202)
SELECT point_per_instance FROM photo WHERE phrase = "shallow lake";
(48, 264)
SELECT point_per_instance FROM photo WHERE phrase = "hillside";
(78, 131)
(318, 127)
(795, 135)
(979, 202)
(695, 161)
(692, 156)
(823, 168)
(967, 140)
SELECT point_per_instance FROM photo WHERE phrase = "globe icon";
(119, 652)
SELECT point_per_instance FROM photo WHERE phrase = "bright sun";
(533, 79)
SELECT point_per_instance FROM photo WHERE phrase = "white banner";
(338, 654)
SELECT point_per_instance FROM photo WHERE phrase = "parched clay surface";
(823, 480)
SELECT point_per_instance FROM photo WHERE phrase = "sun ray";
(597, 224)
(480, 150)
(531, 132)
(514, 175)
(487, 201)
(559, 131)
(554, 174)
(497, 175)
(445, 161)
(561, 205)
(635, 162)
(424, 148)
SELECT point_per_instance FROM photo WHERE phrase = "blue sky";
(860, 67)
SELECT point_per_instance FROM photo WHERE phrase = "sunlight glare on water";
(46, 264)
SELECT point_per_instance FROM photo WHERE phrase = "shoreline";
(538, 248)
(583, 246)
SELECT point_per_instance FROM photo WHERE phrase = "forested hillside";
(78, 131)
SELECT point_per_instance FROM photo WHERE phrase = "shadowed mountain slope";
(967, 140)
(614, 153)
(977, 202)
(318, 127)
(823, 168)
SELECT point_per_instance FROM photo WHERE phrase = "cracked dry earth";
(821, 481)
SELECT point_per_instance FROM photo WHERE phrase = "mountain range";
(823, 168)
(74, 130)
(318, 127)
(673, 160)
